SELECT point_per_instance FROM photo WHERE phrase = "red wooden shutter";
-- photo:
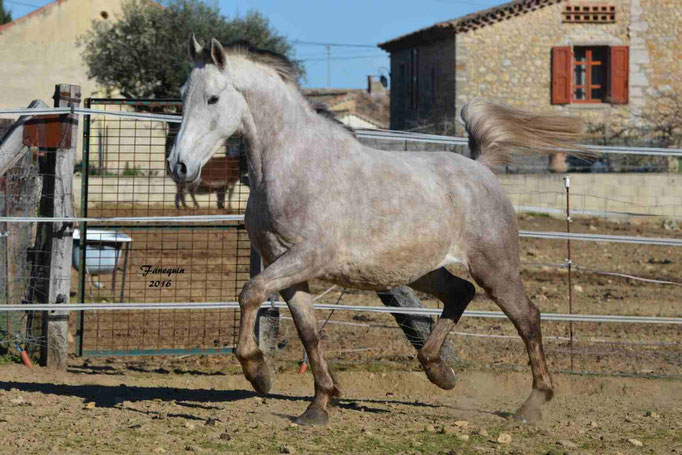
(561, 75)
(618, 67)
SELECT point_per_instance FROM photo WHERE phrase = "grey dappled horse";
(322, 205)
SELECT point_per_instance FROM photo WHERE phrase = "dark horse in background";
(219, 175)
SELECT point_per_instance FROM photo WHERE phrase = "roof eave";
(466, 23)
(427, 35)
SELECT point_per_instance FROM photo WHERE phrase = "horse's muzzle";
(180, 172)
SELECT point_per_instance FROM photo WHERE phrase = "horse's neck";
(280, 129)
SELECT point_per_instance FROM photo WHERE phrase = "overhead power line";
(328, 47)
(341, 58)
(317, 43)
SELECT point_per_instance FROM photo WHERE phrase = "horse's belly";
(380, 271)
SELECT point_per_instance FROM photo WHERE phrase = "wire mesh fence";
(124, 174)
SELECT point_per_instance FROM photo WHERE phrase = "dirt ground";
(176, 406)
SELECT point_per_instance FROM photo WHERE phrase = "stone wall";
(611, 195)
(656, 47)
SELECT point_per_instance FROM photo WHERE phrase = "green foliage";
(8, 356)
(131, 171)
(5, 15)
(144, 53)
(93, 170)
(659, 124)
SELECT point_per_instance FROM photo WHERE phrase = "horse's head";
(213, 110)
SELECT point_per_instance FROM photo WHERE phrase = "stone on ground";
(504, 438)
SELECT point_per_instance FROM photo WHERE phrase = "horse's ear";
(218, 54)
(194, 49)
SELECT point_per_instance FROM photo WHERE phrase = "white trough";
(102, 251)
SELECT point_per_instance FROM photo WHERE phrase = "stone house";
(39, 50)
(604, 60)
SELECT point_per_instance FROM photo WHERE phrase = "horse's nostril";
(180, 170)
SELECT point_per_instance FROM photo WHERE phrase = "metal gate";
(123, 174)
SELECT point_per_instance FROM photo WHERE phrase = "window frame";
(589, 64)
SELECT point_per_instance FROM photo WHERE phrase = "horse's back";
(461, 203)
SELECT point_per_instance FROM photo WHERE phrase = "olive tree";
(142, 53)
(5, 15)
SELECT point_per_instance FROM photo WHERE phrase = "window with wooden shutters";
(590, 74)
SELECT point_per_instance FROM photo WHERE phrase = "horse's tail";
(496, 131)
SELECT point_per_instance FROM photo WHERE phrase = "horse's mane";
(284, 67)
(323, 110)
(279, 62)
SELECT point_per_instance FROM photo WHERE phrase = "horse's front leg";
(297, 265)
(301, 306)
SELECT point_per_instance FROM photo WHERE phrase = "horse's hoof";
(441, 375)
(528, 414)
(314, 415)
(259, 376)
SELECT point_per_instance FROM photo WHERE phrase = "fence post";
(267, 320)
(54, 241)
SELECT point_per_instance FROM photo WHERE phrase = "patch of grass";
(9, 358)
(536, 214)
(131, 171)
(222, 447)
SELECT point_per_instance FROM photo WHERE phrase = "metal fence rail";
(639, 240)
(361, 133)
(557, 317)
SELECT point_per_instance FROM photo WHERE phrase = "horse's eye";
(213, 100)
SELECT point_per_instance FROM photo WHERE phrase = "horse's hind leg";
(455, 293)
(221, 198)
(502, 282)
(230, 193)
(301, 307)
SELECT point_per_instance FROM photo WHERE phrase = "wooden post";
(54, 241)
(267, 321)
